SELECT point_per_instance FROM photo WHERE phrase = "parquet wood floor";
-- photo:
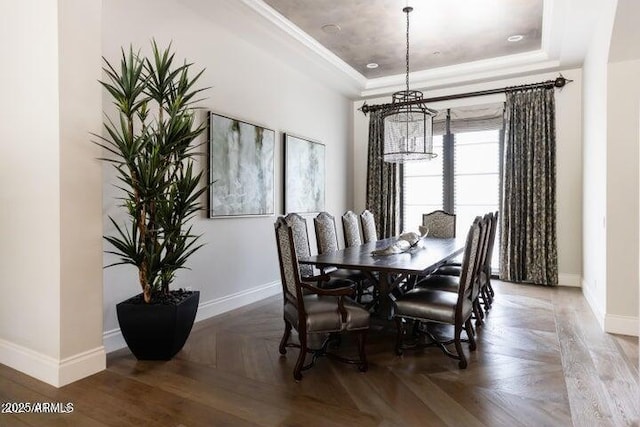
(541, 361)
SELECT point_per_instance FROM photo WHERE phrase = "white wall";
(623, 93)
(30, 213)
(594, 125)
(239, 262)
(568, 152)
(80, 184)
(50, 320)
(595, 163)
(611, 97)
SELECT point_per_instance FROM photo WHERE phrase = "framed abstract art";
(241, 168)
(304, 175)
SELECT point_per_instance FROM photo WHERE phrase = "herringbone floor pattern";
(541, 361)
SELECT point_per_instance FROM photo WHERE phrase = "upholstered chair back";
(289, 271)
(470, 261)
(440, 224)
(351, 229)
(301, 241)
(369, 231)
(492, 240)
(326, 236)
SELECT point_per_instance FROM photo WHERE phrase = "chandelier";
(408, 122)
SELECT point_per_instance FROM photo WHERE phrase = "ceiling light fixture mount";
(515, 38)
(331, 28)
(408, 122)
(372, 65)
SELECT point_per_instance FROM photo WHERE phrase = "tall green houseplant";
(152, 148)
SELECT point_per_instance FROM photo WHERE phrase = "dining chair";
(351, 229)
(368, 221)
(315, 311)
(440, 224)
(484, 278)
(428, 306)
(489, 260)
(447, 278)
(327, 240)
(485, 275)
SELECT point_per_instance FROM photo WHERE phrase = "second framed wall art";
(304, 175)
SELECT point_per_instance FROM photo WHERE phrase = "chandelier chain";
(407, 56)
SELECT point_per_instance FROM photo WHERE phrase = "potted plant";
(151, 145)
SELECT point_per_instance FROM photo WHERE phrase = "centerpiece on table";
(405, 242)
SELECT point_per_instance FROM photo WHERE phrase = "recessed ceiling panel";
(442, 32)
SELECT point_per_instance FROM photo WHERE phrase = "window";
(423, 187)
(476, 172)
(464, 178)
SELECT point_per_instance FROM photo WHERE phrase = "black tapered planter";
(157, 331)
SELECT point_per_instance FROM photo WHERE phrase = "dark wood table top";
(429, 253)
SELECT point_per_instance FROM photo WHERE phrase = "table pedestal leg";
(385, 286)
(386, 283)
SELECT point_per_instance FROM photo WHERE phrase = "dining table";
(387, 272)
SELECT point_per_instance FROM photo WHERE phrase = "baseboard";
(50, 370)
(113, 339)
(571, 280)
(610, 323)
(221, 305)
(597, 310)
(623, 325)
(82, 365)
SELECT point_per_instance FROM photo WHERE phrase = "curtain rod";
(559, 82)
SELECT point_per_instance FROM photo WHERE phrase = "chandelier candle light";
(408, 123)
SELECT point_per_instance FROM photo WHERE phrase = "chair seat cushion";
(431, 305)
(343, 273)
(323, 315)
(449, 270)
(335, 283)
(456, 261)
(438, 282)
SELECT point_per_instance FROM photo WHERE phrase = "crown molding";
(548, 8)
(472, 72)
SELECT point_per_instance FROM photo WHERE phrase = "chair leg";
(486, 298)
(480, 309)
(470, 334)
(489, 286)
(335, 338)
(363, 366)
(297, 371)
(415, 328)
(359, 292)
(477, 311)
(462, 364)
(400, 333)
(473, 330)
(285, 337)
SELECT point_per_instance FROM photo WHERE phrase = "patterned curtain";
(383, 182)
(528, 251)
